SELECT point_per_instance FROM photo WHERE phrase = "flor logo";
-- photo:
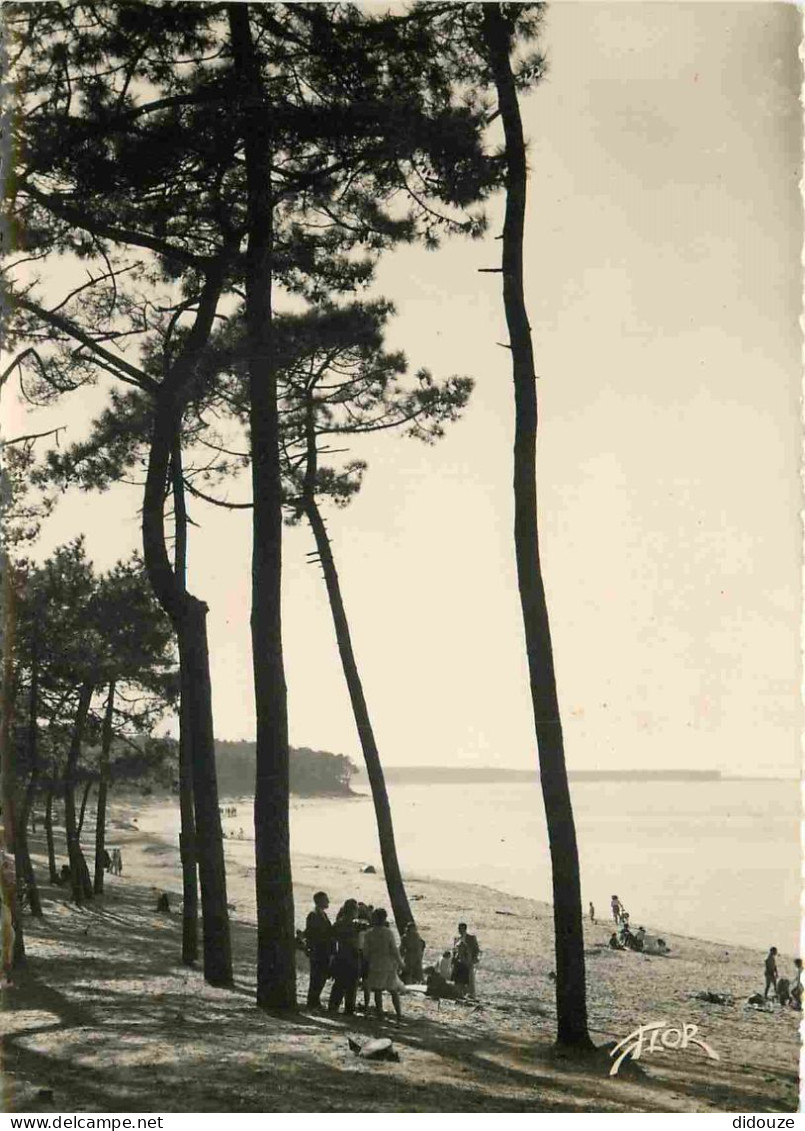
(654, 1037)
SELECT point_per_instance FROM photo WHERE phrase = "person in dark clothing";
(319, 939)
(412, 949)
(796, 989)
(770, 969)
(346, 965)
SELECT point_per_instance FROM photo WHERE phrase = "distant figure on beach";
(412, 948)
(783, 991)
(443, 965)
(592, 912)
(64, 875)
(639, 939)
(319, 939)
(384, 962)
(770, 970)
(107, 861)
(796, 989)
(466, 954)
(614, 942)
(617, 909)
(346, 966)
(117, 862)
(163, 903)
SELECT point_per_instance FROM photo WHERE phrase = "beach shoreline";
(106, 995)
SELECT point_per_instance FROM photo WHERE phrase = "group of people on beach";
(113, 862)
(788, 991)
(359, 949)
(624, 938)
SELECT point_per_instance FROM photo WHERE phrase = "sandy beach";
(106, 1019)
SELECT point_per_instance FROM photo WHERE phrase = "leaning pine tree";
(337, 380)
(498, 25)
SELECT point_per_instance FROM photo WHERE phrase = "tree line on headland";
(311, 772)
(220, 180)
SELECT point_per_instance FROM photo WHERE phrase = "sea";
(717, 860)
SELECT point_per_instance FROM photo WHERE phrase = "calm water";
(717, 860)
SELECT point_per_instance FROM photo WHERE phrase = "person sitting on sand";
(346, 966)
(384, 961)
(614, 942)
(319, 939)
(443, 965)
(783, 991)
(412, 948)
(770, 970)
(639, 939)
(796, 988)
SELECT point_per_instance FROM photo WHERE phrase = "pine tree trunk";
(8, 768)
(78, 865)
(187, 836)
(52, 869)
(25, 866)
(195, 661)
(187, 842)
(103, 789)
(385, 828)
(276, 960)
(571, 1002)
(188, 616)
(83, 810)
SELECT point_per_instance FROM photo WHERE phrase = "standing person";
(770, 970)
(119, 862)
(347, 962)
(319, 939)
(384, 962)
(412, 948)
(617, 909)
(592, 913)
(466, 954)
(364, 922)
(796, 988)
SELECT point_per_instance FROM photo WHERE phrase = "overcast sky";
(664, 280)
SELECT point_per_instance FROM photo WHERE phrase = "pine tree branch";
(119, 366)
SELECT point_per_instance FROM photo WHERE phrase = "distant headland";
(433, 775)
